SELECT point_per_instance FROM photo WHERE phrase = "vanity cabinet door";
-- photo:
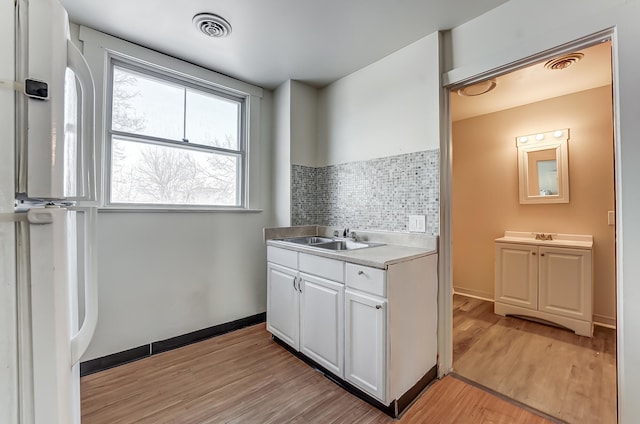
(565, 282)
(322, 322)
(516, 281)
(365, 343)
(283, 303)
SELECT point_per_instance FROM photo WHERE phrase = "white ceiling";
(316, 41)
(536, 83)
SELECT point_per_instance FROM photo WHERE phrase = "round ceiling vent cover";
(563, 62)
(477, 89)
(212, 25)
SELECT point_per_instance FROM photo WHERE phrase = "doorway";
(522, 359)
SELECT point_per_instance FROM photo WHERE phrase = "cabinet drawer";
(366, 279)
(330, 269)
(285, 257)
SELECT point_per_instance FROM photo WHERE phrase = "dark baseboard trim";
(115, 359)
(394, 409)
(206, 333)
(412, 394)
(508, 399)
(140, 352)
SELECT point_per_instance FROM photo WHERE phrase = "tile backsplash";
(377, 194)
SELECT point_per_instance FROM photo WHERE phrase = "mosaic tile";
(377, 194)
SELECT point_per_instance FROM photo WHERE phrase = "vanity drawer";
(330, 269)
(366, 279)
(284, 257)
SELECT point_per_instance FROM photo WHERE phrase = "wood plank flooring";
(245, 377)
(550, 369)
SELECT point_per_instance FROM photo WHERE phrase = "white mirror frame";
(537, 142)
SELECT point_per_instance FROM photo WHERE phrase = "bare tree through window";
(145, 171)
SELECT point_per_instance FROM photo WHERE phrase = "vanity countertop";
(376, 257)
(397, 246)
(577, 241)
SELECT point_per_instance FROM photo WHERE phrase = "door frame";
(445, 280)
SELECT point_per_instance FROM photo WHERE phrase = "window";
(174, 141)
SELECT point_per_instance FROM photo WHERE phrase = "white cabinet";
(374, 328)
(283, 303)
(565, 282)
(305, 309)
(551, 282)
(391, 326)
(517, 275)
(366, 328)
(322, 322)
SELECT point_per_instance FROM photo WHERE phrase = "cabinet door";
(517, 275)
(282, 303)
(365, 343)
(565, 282)
(322, 322)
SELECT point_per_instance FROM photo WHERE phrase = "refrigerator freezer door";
(8, 310)
(51, 165)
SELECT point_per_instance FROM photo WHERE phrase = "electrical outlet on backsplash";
(377, 194)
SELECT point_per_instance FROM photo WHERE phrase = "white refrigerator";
(48, 284)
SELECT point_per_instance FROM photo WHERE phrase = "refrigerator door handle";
(79, 66)
(80, 341)
(39, 217)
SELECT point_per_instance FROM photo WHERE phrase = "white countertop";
(578, 241)
(376, 257)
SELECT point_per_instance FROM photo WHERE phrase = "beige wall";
(485, 188)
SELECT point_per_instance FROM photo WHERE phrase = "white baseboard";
(603, 321)
(475, 294)
(599, 320)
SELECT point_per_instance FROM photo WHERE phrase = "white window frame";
(100, 50)
(141, 68)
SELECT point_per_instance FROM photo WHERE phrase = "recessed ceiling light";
(212, 25)
(477, 89)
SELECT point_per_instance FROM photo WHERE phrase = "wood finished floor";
(244, 377)
(550, 369)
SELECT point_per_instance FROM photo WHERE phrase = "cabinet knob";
(361, 272)
(533, 253)
(542, 254)
(378, 306)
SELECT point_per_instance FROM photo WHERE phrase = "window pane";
(146, 105)
(154, 174)
(212, 120)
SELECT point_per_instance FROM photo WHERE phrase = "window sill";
(164, 209)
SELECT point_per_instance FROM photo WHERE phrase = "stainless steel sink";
(330, 243)
(308, 240)
(341, 245)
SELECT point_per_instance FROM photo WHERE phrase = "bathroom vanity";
(546, 276)
(366, 317)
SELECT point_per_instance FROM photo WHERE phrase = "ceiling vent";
(212, 25)
(563, 62)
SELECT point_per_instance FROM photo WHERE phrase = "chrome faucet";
(345, 233)
(543, 236)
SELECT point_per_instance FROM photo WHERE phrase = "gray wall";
(166, 273)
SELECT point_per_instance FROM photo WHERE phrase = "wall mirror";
(543, 167)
